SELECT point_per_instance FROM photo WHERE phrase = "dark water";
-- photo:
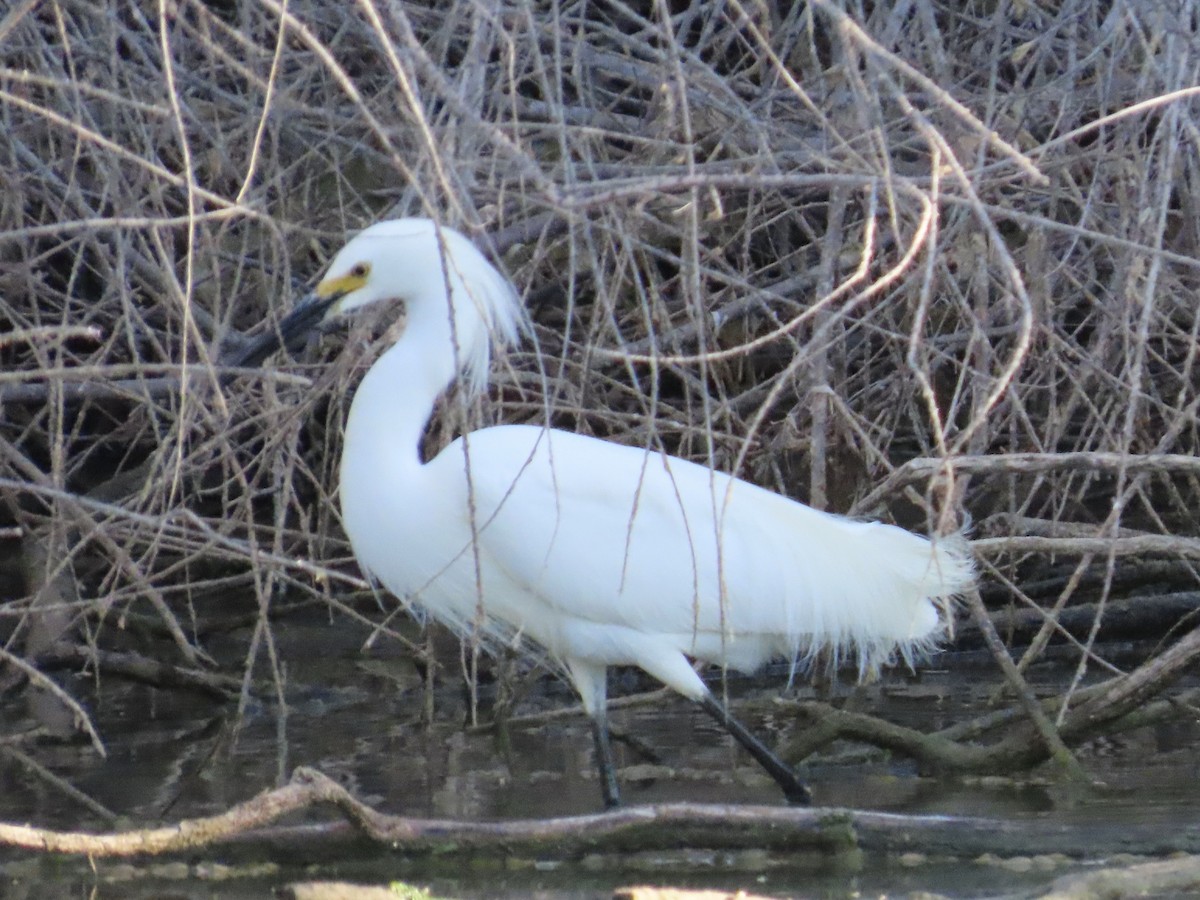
(174, 755)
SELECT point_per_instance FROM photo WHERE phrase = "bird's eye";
(360, 270)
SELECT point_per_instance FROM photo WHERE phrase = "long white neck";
(393, 404)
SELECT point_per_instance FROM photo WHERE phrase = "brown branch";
(139, 668)
(1142, 545)
(1119, 703)
(61, 785)
(1145, 616)
(188, 834)
(924, 468)
(1127, 694)
(664, 826)
(79, 386)
(1047, 732)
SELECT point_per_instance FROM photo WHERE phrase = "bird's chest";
(406, 528)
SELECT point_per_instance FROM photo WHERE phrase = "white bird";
(599, 553)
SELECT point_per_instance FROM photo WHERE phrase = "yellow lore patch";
(345, 284)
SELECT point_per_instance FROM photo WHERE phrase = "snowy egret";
(601, 554)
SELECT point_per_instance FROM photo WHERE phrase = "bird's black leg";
(794, 789)
(604, 760)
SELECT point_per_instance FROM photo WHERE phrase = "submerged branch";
(659, 827)
(1119, 703)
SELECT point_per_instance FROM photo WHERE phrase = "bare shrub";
(899, 260)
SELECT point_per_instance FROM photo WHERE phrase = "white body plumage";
(610, 555)
(601, 554)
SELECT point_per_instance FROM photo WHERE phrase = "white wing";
(575, 531)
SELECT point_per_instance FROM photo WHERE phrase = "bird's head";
(449, 290)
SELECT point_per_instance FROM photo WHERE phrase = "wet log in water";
(825, 833)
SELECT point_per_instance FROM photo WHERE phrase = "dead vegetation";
(919, 261)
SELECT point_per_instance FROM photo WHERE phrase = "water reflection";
(174, 755)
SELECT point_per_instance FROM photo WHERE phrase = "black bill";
(289, 334)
